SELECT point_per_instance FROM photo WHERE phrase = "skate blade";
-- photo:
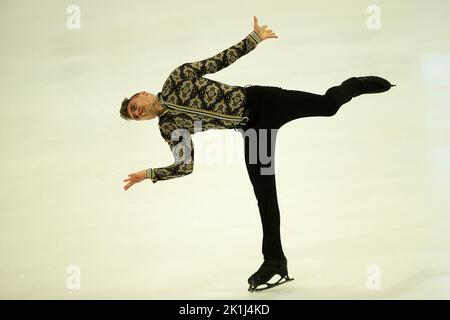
(268, 285)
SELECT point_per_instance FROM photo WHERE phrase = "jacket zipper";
(209, 113)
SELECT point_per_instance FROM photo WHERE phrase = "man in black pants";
(190, 102)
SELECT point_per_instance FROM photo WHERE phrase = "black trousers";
(271, 108)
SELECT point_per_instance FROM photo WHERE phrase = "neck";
(159, 108)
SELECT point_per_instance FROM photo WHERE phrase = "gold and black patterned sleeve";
(192, 70)
(182, 149)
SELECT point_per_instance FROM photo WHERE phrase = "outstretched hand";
(262, 31)
(134, 178)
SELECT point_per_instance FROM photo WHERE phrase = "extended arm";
(192, 70)
(183, 151)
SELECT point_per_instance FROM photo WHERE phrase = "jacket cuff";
(153, 176)
(255, 36)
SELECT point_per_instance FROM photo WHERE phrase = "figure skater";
(189, 102)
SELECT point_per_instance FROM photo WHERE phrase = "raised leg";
(278, 106)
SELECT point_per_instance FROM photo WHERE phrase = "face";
(142, 106)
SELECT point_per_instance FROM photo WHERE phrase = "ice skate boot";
(269, 269)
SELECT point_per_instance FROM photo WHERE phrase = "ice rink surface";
(364, 195)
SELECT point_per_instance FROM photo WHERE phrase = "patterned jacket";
(195, 103)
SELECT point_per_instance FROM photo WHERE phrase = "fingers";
(131, 177)
(131, 181)
(134, 180)
(128, 185)
(263, 30)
